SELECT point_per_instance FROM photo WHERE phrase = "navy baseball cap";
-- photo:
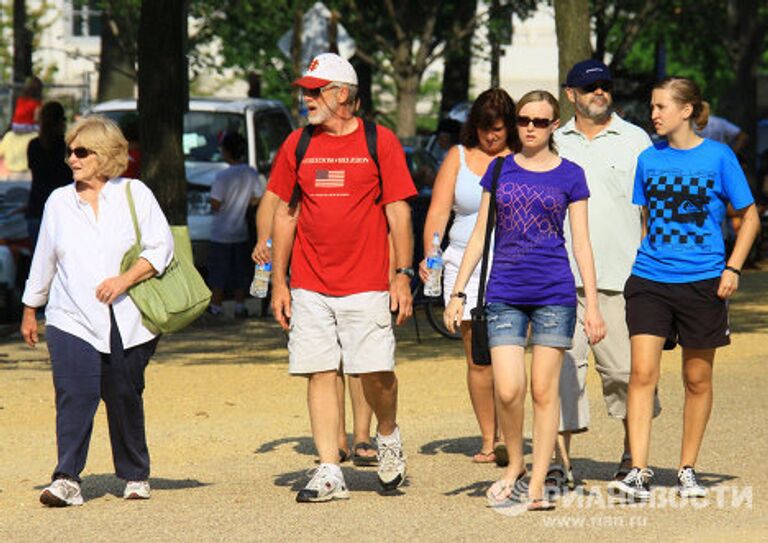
(585, 72)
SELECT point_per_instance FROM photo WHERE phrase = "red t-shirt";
(25, 110)
(341, 245)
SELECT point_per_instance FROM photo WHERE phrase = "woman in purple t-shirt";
(531, 284)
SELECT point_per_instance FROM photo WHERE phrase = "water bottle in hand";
(433, 286)
(261, 275)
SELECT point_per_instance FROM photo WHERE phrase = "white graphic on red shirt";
(329, 178)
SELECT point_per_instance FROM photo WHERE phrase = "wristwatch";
(406, 271)
(460, 295)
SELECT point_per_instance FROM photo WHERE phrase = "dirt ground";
(230, 442)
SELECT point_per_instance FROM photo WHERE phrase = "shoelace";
(688, 477)
(641, 476)
(389, 456)
(319, 475)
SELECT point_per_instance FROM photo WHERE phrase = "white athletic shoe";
(391, 458)
(687, 485)
(136, 490)
(327, 484)
(61, 493)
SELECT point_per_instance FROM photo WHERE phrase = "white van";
(264, 124)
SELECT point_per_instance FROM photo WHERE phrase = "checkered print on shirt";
(677, 208)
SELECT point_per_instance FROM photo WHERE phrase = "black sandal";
(361, 460)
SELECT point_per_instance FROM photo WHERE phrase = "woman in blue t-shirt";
(680, 281)
(531, 284)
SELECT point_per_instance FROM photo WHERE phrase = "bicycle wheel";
(433, 307)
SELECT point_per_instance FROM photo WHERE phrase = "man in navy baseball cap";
(587, 74)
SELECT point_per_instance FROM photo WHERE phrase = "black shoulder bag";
(481, 352)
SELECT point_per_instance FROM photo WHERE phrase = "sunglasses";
(315, 93)
(80, 152)
(605, 86)
(523, 122)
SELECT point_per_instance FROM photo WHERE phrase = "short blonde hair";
(102, 136)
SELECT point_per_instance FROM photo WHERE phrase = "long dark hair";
(488, 108)
(52, 124)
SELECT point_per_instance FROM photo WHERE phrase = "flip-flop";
(363, 460)
(483, 457)
(343, 457)
(540, 504)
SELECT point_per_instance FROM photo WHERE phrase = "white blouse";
(76, 251)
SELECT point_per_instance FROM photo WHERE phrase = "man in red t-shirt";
(341, 293)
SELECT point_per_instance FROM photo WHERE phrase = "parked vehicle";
(263, 123)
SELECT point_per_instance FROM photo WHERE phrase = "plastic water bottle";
(433, 285)
(261, 275)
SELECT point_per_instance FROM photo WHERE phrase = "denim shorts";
(552, 325)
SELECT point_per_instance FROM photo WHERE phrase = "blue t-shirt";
(686, 193)
(530, 262)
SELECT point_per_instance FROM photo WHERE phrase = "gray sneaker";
(326, 484)
(61, 493)
(687, 485)
(636, 486)
(391, 458)
(136, 490)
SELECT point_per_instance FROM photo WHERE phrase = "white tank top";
(466, 202)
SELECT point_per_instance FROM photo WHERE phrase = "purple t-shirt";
(530, 263)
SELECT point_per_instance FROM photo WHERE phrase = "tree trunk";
(117, 72)
(364, 82)
(572, 27)
(740, 100)
(298, 31)
(407, 96)
(163, 99)
(458, 58)
(22, 49)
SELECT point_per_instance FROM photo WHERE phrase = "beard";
(325, 110)
(594, 109)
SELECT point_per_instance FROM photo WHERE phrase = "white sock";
(394, 437)
(334, 468)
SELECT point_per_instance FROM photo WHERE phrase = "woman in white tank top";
(488, 133)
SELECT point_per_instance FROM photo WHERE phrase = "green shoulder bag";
(171, 301)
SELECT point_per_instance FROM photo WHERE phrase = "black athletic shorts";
(690, 314)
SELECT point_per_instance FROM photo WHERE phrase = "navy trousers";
(81, 377)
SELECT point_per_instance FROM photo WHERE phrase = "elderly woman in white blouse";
(98, 345)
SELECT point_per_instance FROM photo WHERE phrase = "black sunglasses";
(80, 152)
(315, 93)
(605, 86)
(523, 122)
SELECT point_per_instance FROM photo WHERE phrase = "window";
(271, 130)
(86, 18)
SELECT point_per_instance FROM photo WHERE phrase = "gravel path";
(230, 443)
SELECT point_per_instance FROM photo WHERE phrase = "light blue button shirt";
(609, 160)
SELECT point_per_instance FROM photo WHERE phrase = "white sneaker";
(391, 458)
(327, 484)
(636, 486)
(61, 493)
(687, 485)
(136, 490)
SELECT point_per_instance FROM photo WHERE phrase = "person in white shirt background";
(233, 191)
(98, 345)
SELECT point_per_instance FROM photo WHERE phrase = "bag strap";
(371, 140)
(133, 212)
(371, 137)
(489, 224)
(301, 150)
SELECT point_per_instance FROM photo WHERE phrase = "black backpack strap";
(489, 224)
(301, 150)
(371, 139)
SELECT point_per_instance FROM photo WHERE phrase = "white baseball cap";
(324, 69)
